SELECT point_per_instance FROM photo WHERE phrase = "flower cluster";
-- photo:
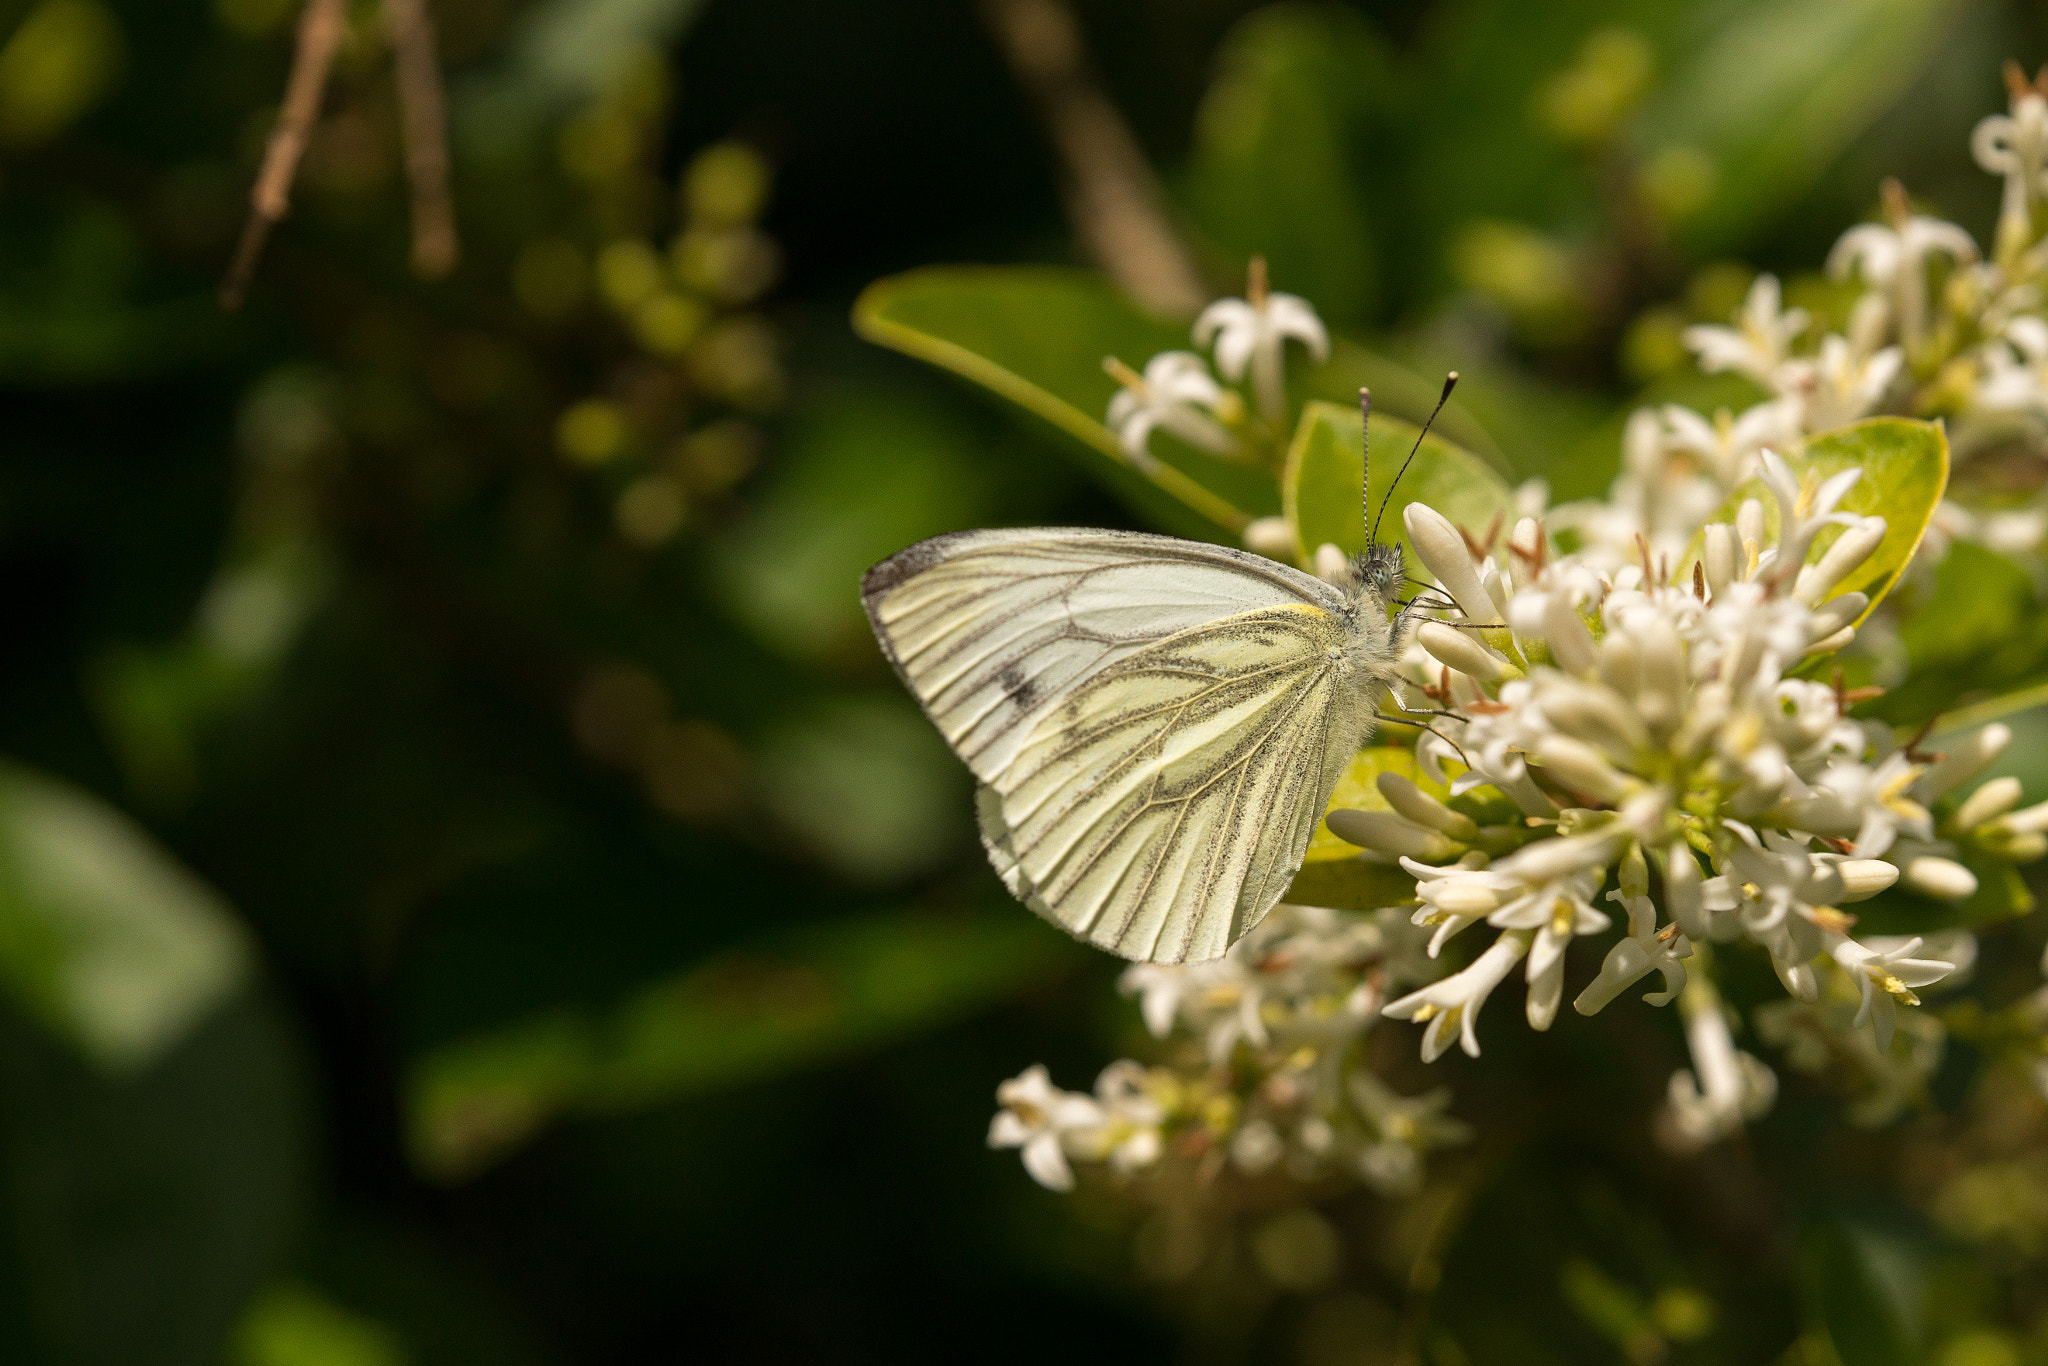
(1623, 738)
(1932, 329)
(1645, 725)
(1265, 1073)
(1178, 394)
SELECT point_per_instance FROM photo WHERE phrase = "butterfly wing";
(1158, 722)
(1164, 807)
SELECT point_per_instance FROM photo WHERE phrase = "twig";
(321, 26)
(435, 246)
(1112, 195)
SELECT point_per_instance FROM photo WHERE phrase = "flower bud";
(1388, 833)
(1632, 874)
(1272, 537)
(1418, 806)
(2026, 848)
(1571, 644)
(1723, 556)
(1442, 551)
(1621, 663)
(1749, 529)
(1995, 798)
(1682, 891)
(1837, 612)
(1579, 767)
(1942, 878)
(1449, 645)
(1832, 643)
(1864, 877)
(2028, 820)
(1850, 549)
(1663, 696)
(1547, 860)
(1798, 978)
(1463, 896)
(1966, 758)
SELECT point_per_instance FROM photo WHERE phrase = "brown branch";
(435, 246)
(1112, 195)
(321, 26)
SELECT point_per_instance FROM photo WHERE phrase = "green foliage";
(103, 936)
(1325, 467)
(1273, 167)
(144, 1211)
(1905, 470)
(789, 1002)
(1037, 336)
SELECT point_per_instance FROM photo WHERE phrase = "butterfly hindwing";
(1162, 809)
(1157, 723)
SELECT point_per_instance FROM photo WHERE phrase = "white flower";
(1129, 1138)
(1404, 1128)
(1871, 804)
(1841, 384)
(1251, 334)
(1885, 978)
(1893, 258)
(1451, 1007)
(1760, 339)
(1725, 1086)
(1642, 950)
(2015, 146)
(1728, 446)
(1040, 1118)
(1176, 394)
(1556, 911)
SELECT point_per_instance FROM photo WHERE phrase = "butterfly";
(1157, 725)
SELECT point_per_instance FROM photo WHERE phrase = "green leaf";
(1337, 874)
(1320, 487)
(1865, 1287)
(1905, 469)
(1037, 336)
(787, 1003)
(104, 937)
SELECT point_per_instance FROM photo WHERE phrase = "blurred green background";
(470, 890)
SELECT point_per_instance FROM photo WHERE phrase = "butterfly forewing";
(1158, 722)
(990, 628)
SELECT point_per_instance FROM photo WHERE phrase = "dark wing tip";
(905, 564)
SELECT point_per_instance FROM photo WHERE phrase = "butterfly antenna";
(1365, 434)
(1450, 382)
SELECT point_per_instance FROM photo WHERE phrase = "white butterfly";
(1157, 724)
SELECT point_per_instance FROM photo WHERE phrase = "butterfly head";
(1383, 566)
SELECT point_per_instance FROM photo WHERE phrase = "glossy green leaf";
(1338, 874)
(1905, 469)
(1324, 465)
(1037, 336)
(798, 1000)
(104, 937)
